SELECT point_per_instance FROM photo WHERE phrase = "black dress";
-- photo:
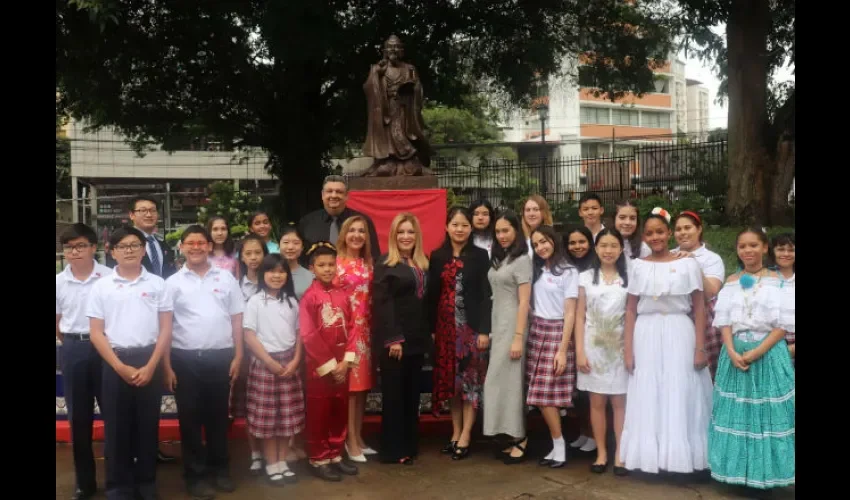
(398, 315)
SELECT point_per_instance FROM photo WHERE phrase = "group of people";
(292, 334)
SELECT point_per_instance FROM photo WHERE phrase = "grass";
(722, 242)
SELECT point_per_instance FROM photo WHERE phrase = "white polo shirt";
(130, 309)
(203, 307)
(551, 291)
(72, 296)
(274, 321)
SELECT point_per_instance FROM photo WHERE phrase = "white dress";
(604, 319)
(668, 405)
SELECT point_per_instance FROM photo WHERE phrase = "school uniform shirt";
(551, 291)
(483, 241)
(72, 297)
(203, 307)
(274, 321)
(248, 287)
(601, 227)
(710, 263)
(645, 251)
(130, 309)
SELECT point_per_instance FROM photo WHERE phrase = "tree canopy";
(287, 75)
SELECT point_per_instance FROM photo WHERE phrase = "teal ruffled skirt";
(751, 439)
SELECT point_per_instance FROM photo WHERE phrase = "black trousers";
(203, 396)
(81, 375)
(400, 386)
(131, 421)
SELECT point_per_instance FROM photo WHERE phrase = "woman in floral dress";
(354, 274)
(459, 308)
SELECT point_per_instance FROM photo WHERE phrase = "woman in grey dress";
(510, 280)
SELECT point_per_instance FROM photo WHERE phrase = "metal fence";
(666, 169)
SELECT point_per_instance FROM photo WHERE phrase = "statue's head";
(393, 49)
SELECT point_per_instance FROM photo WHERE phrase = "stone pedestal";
(394, 183)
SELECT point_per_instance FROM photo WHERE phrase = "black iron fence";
(661, 169)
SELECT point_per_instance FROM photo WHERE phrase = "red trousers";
(327, 419)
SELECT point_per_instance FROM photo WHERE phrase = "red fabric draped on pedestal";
(428, 205)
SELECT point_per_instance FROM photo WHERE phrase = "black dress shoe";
(200, 490)
(545, 462)
(460, 453)
(449, 448)
(620, 471)
(326, 472)
(82, 495)
(598, 468)
(164, 458)
(557, 464)
(346, 468)
(223, 482)
(511, 460)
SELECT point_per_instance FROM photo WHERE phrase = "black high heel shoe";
(511, 460)
(449, 448)
(460, 452)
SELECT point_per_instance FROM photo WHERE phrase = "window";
(591, 115)
(624, 151)
(655, 119)
(594, 150)
(625, 117)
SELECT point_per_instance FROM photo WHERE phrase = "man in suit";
(158, 259)
(324, 224)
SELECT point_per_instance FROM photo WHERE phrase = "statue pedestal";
(395, 183)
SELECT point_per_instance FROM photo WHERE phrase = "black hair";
(659, 217)
(588, 196)
(758, 232)
(559, 256)
(447, 242)
(136, 199)
(596, 265)
(782, 240)
(250, 237)
(635, 239)
(195, 229)
(78, 230)
(251, 223)
(486, 204)
(585, 262)
(271, 262)
(517, 248)
(229, 245)
(320, 248)
(293, 229)
(123, 232)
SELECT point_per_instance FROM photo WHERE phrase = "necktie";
(154, 256)
(334, 235)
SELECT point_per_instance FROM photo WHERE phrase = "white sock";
(282, 467)
(559, 449)
(256, 455)
(551, 455)
(589, 445)
(579, 442)
(272, 469)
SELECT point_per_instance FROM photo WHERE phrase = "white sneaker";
(578, 443)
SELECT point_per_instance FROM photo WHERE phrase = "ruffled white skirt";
(668, 406)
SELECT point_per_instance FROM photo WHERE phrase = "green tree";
(234, 205)
(286, 75)
(760, 38)
(63, 162)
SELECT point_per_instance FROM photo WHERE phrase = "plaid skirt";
(275, 404)
(544, 387)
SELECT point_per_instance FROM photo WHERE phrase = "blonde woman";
(354, 269)
(400, 336)
(535, 213)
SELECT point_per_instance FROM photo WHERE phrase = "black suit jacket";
(316, 226)
(397, 312)
(168, 266)
(476, 287)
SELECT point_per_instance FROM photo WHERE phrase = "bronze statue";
(395, 137)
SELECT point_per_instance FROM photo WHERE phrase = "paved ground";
(436, 477)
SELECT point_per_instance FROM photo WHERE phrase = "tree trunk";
(750, 165)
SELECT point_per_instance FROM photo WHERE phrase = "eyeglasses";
(79, 247)
(145, 211)
(135, 247)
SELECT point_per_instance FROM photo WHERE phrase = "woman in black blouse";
(400, 337)
(459, 307)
